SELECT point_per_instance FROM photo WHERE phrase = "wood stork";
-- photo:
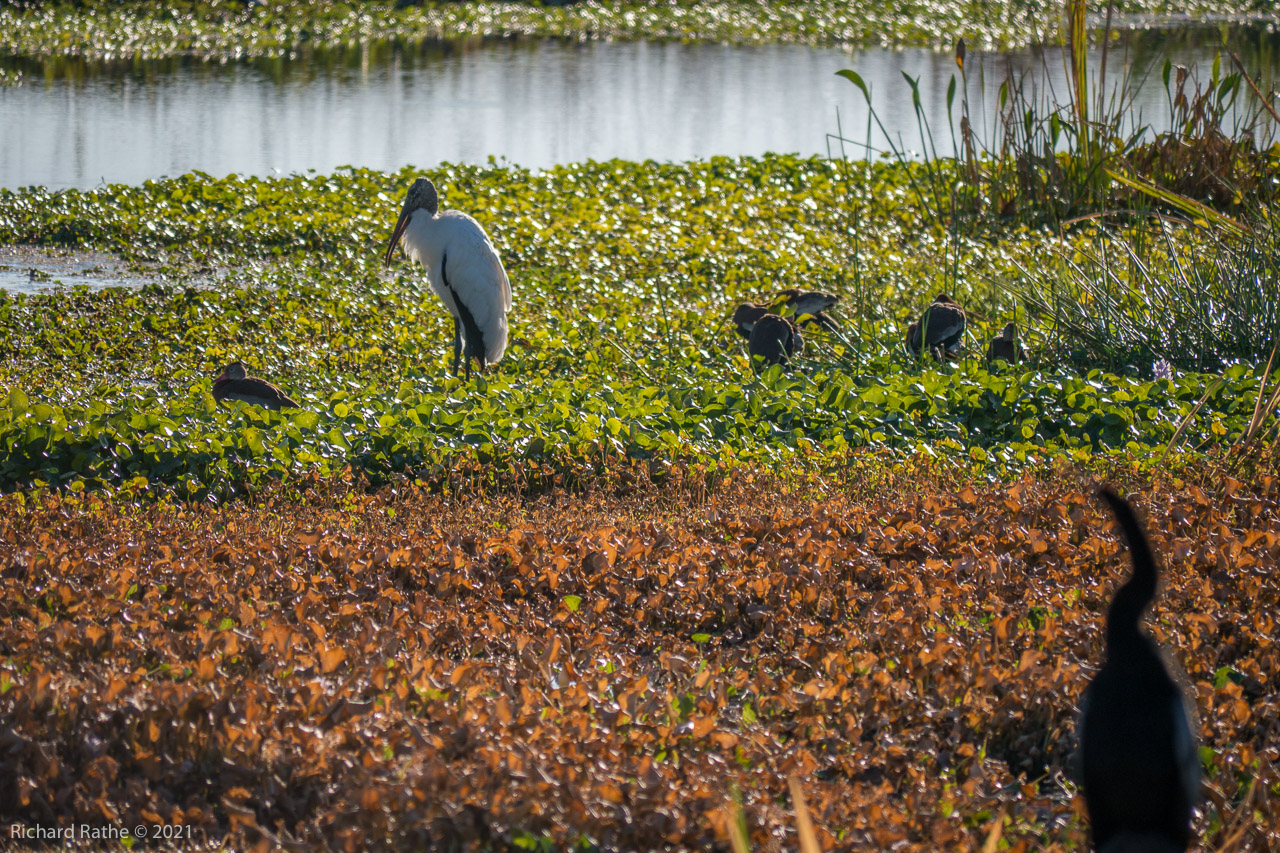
(234, 383)
(774, 339)
(463, 269)
(1138, 754)
(1005, 345)
(807, 306)
(941, 325)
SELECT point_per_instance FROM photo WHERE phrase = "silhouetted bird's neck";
(1131, 599)
(1130, 602)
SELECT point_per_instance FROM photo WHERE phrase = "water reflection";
(534, 103)
(27, 269)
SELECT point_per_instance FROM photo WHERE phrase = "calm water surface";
(534, 103)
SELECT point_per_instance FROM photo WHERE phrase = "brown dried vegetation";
(404, 670)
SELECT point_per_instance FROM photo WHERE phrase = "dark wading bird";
(463, 269)
(809, 304)
(1005, 345)
(234, 383)
(745, 317)
(941, 325)
(1138, 756)
(774, 339)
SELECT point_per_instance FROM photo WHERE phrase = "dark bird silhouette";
(1131, 842)
(745, 317)
(941, 326)
(806, 306)
(774, 339)
(1138, 754)
(234, 383)
(1005, 345)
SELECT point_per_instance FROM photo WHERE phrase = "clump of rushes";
(1197, 299)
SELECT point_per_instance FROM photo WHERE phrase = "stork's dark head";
(1010, 332)
(945, 299)
(234, 371)
(421, 196)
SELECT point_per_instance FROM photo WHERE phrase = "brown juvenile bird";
(942, 326)
(234, 383)
(1005, 345)
(794, 302)
(774, 339)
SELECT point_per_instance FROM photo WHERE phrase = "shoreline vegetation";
(224, 29)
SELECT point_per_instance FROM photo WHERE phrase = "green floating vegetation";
(225, 28)
(624, 275)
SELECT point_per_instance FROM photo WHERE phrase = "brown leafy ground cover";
(410, 670)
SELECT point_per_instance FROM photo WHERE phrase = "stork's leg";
(476, 351)
(457, 343)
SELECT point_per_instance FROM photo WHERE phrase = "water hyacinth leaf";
(253, 440)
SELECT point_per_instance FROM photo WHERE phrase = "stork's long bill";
(401, 224)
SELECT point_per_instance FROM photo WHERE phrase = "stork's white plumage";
(463, 269)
